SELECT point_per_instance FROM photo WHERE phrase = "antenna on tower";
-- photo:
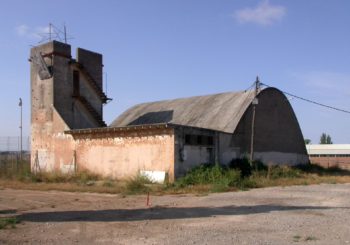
(55, 33)
(65, 32)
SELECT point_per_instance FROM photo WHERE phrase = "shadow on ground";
(8, 211)
(157, 213)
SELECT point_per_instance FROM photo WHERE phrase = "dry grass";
(97, 187)
(200, 181)
(117, 187)
(308, 179)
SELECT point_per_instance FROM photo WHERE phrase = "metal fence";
(12, 160)
(13, 144)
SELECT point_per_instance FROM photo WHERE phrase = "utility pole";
(20, 127)
(254, 103)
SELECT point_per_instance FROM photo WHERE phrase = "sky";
(162, 49)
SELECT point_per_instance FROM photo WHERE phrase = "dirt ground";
(317, 214)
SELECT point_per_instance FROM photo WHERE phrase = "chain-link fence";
(13, 144)
(12, 159)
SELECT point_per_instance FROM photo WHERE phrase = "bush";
(220, 177)
(11, 221)
(138, 185)
(275, 172)
(243, 165)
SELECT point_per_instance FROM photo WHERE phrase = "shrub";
(319, 170)
(108, 183)
(11, 221)
(275, 172)
(221, 178)
(243, 165)
(138, 185)
(246, 167)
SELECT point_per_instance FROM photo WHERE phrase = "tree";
(325, 139)
(329, 140)
(307, 141)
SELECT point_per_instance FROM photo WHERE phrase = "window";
(329, 155)
(76, 85)
(192, 139)
(200, 140)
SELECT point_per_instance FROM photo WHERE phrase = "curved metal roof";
(221, 112)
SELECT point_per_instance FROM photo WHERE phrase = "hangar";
(172, 136)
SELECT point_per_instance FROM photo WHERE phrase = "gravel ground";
(317, 214)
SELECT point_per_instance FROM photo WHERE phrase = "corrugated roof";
(220, 112)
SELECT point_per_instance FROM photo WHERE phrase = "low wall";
(327, 162)
(123, 155)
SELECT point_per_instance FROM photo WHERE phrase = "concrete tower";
(66, 94)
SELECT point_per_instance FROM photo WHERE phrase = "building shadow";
(153, 118)
(157, 213)
(8, 211)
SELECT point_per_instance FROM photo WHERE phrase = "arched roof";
(220, 112)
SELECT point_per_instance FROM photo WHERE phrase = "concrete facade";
(278, 138)
(69, 134)
(125, 152)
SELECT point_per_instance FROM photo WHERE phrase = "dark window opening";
(187, 139)
(76, 85)
(210, 140)
(199, 139)
(50, 68)
(191, 139)
(329, 155)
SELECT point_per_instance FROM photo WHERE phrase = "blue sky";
(155, 50)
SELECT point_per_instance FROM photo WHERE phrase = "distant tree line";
(324, 139)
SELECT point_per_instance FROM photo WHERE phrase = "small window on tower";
(76, 83)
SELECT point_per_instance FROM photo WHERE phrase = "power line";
(311, 101)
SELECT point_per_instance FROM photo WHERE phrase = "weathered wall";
(52, 150)
(227, 151)
(92, 62)
(189, 156)
(278, 138)
(123, 155)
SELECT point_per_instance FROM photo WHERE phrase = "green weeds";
(8, 222)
